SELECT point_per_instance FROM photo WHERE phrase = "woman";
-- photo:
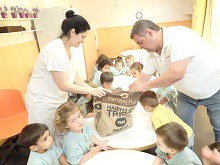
(55, 73)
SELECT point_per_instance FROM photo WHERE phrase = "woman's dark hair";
(73, 21)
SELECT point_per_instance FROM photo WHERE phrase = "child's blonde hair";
(63, 112)
(137, 66)
(129, 57)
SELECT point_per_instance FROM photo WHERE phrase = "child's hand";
(105, 146)
(95, 150)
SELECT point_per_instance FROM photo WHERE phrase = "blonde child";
(161, 115)
(78, 139)
(171, 146)
(106, 79)
(37, 138)
(129, 60)
(136, 69)
(119, 68)
(166, 95)
(211, 154)
(103, 66)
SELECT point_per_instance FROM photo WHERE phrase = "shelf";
(18, 19)
(27, 31)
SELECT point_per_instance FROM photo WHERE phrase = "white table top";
(120, 157)
(140, 136)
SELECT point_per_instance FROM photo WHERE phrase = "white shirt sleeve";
(55, 60)
(183, 44)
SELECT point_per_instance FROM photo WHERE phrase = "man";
(184, 60)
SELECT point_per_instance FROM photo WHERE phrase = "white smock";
(43, 96)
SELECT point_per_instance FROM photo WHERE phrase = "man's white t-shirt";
(202, 77)
(42, 90)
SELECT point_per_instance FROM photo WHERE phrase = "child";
(161, 115)
(95, 69)
(78, 139)
(85, 101)
(211, 154)
(37, 138)
(103, 66)
(166, 95)
(119, 68)
(129, 61)
(171, 146)
(106, 79)
(136, 69)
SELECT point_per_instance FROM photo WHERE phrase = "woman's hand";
(99, 92)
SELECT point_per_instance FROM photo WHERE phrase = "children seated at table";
(171, 146)
(166, 95)
(95, 69)
(79, 140)
(103, 66)
(106, 80)
(161, 114)
(37, 138)
(119, 68)
(211, 154)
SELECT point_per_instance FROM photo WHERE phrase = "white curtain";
(211, 31)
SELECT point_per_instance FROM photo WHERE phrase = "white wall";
(109, 13)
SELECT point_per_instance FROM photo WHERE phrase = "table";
(140, 136)
(120, 157)
(122, 81)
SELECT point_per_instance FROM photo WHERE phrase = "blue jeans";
(186, 109)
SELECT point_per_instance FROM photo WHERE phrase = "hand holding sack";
(113, 111)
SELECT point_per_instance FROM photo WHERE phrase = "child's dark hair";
(119, 59)
(149, 98)
(101, 56)
(106, 77)
(174, 135)
(74, 21)
(31, 133)
(215, 145)
(103, 62)
(137, 66)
